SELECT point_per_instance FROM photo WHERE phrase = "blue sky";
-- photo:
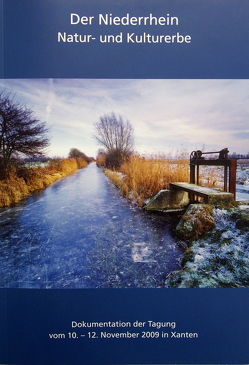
(167, 115)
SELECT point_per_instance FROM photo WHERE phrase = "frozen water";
(242, 192)
(80, 233)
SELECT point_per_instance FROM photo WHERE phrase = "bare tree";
(20, 133)
(114, 133)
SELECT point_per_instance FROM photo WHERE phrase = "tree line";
(239, 155)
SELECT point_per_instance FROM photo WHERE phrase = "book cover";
(87, 274)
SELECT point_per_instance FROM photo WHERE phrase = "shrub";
(114, 159)
(100, 162)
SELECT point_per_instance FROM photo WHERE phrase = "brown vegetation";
(101, 160)
(23, 181)
(139, 178)
(197, 220)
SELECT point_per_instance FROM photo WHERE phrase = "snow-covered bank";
(220, 258)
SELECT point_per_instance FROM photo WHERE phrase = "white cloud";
(166, 114)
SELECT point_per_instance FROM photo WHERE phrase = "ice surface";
(80, 233)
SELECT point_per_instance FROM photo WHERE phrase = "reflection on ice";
(80, 233)
(141, 253)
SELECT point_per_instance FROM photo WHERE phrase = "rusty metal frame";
(230, 165)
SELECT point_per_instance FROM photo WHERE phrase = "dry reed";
(23, 181)
(139, 178)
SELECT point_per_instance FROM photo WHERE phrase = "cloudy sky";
(167, 115)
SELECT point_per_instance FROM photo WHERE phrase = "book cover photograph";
(124, 182)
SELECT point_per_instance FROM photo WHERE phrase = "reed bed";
(22, 181)
(141, 178)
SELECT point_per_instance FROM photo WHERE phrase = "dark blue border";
(219, 316)
(219, 46)
(220, 33)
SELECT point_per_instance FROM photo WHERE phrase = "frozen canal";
(79, 233)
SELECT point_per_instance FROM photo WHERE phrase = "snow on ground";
(221, 257)
(214, 175)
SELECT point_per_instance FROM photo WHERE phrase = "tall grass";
(22, 181)
(141, 178)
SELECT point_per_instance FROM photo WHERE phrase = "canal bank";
(215, 240)
(24, 180)
(80, 233)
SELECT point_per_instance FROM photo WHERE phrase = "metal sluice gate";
(230, 165)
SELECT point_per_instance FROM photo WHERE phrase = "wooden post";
(192, 173)
(192, 180)
(197, 173)
(225, 178)
(232, 177)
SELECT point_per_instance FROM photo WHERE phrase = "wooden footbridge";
(182, 193)
(209, 195)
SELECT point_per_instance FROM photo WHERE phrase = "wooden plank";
(208, 194)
